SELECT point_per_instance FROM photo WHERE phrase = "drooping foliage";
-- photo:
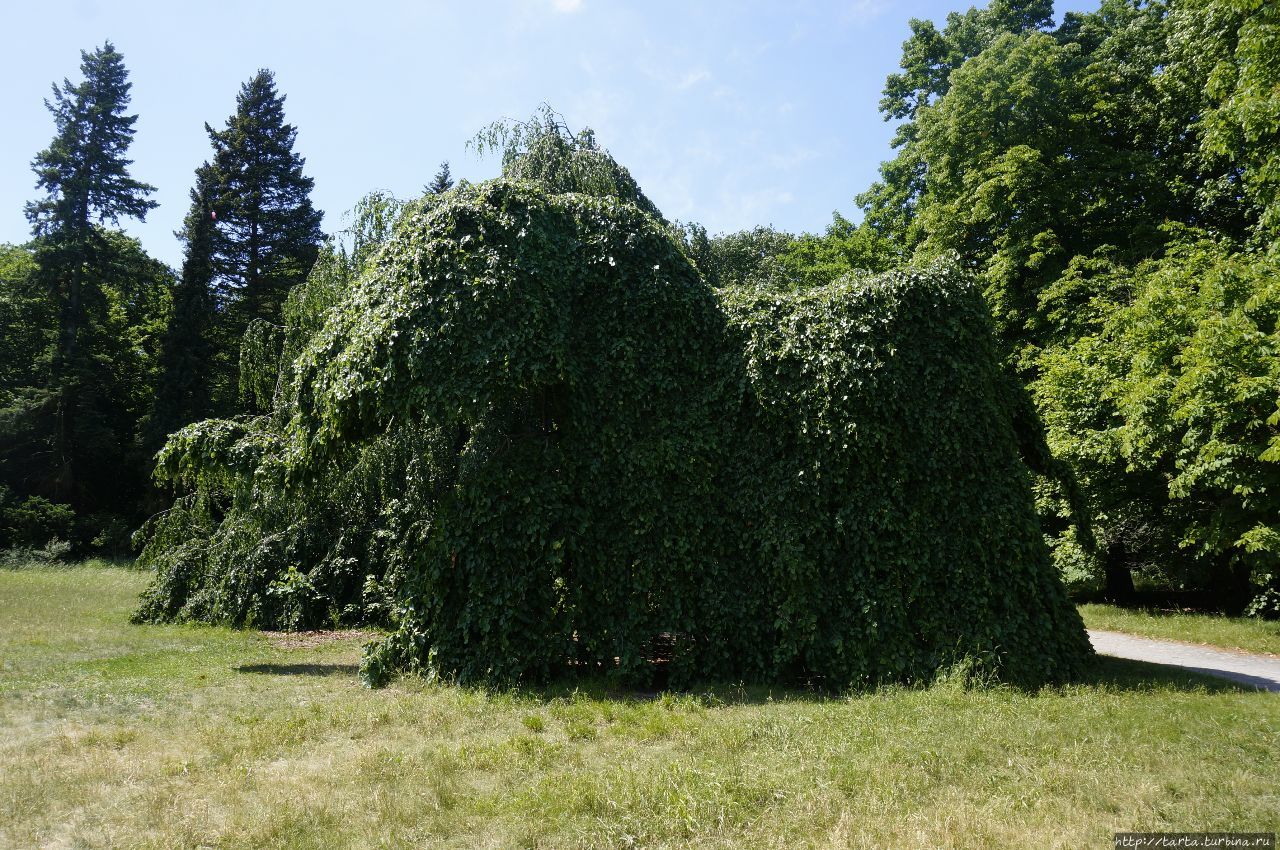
(544, 148)
(232, 546)
(881, 454)
(546, 445)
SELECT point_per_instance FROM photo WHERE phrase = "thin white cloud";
(567, 7)
(740, 210)
(792, 159)
(658, 67)
(692, 78)
(862, 11)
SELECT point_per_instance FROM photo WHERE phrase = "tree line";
(1112, 180)
(106, 350)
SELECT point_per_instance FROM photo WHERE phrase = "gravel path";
(1261, 671)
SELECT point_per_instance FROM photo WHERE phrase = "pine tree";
(84, 171)
(85, 176)
(186, 389)
(442, 182)
(267, 233)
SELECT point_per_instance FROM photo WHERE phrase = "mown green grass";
(114, 735)
(1244, 633)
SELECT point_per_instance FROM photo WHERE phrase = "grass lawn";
(1244, 633)
(114, 735)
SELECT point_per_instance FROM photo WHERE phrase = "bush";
(882, 485)
(33, 522)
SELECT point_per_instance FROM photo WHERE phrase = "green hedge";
(596, 461)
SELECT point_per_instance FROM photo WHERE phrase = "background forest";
(1111, 180)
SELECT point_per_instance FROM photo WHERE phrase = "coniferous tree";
(267, 234)
(442, 182)
(85, 175)
(185, 391)
(84, 171)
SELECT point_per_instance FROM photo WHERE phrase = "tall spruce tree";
(268, 234)
(189, 350)
(85, 176)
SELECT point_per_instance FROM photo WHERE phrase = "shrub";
(33, 522)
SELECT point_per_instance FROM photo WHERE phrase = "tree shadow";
(1104, 673)
(1125, 674)
(301, 669)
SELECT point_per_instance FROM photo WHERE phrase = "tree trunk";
(1238, 592)
(1119, 577)
(63, 376)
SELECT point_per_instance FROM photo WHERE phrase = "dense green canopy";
(547, 444)
(1112, 178)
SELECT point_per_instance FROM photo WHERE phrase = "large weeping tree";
(525, 431)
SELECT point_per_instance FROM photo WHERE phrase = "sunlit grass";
(114, 735)
(1246, 633)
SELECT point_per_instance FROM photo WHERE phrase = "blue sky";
(728, 113)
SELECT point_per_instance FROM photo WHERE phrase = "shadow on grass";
(301, 669)
(1104, 673)
(1129, 675)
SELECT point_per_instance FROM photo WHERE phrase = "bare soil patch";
(311, 640)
